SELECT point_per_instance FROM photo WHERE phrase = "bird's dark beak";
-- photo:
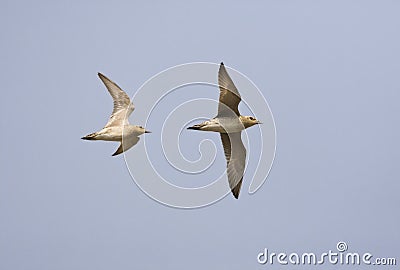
(147, 131)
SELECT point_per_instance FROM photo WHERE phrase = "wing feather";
(122, 103)
(235, 154)
(126, 144)
(229, 97)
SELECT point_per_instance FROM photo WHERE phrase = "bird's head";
(249, 121)
(142, 130)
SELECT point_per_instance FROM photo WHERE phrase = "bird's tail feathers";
(196, 127)
(91, 136)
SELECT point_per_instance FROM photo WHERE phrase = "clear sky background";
(329, 70)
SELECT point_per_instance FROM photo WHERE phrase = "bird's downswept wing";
(235, 154)
(122, 103)
(126, 144)
(229, 97)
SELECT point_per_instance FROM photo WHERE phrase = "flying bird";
(118, 128)
(229, 123)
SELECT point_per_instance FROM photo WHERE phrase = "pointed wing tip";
(102, 76)
(236, 192)
(222, 69)
(236, 189)
(120, 150)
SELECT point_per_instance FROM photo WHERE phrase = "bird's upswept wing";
(122, 103)
(229, 97)
(235, 154)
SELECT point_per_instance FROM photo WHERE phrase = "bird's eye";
(252, 118)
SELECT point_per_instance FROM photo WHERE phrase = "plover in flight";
(229, 123)
(118, 123)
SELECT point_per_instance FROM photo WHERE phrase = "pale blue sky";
(329, 70)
